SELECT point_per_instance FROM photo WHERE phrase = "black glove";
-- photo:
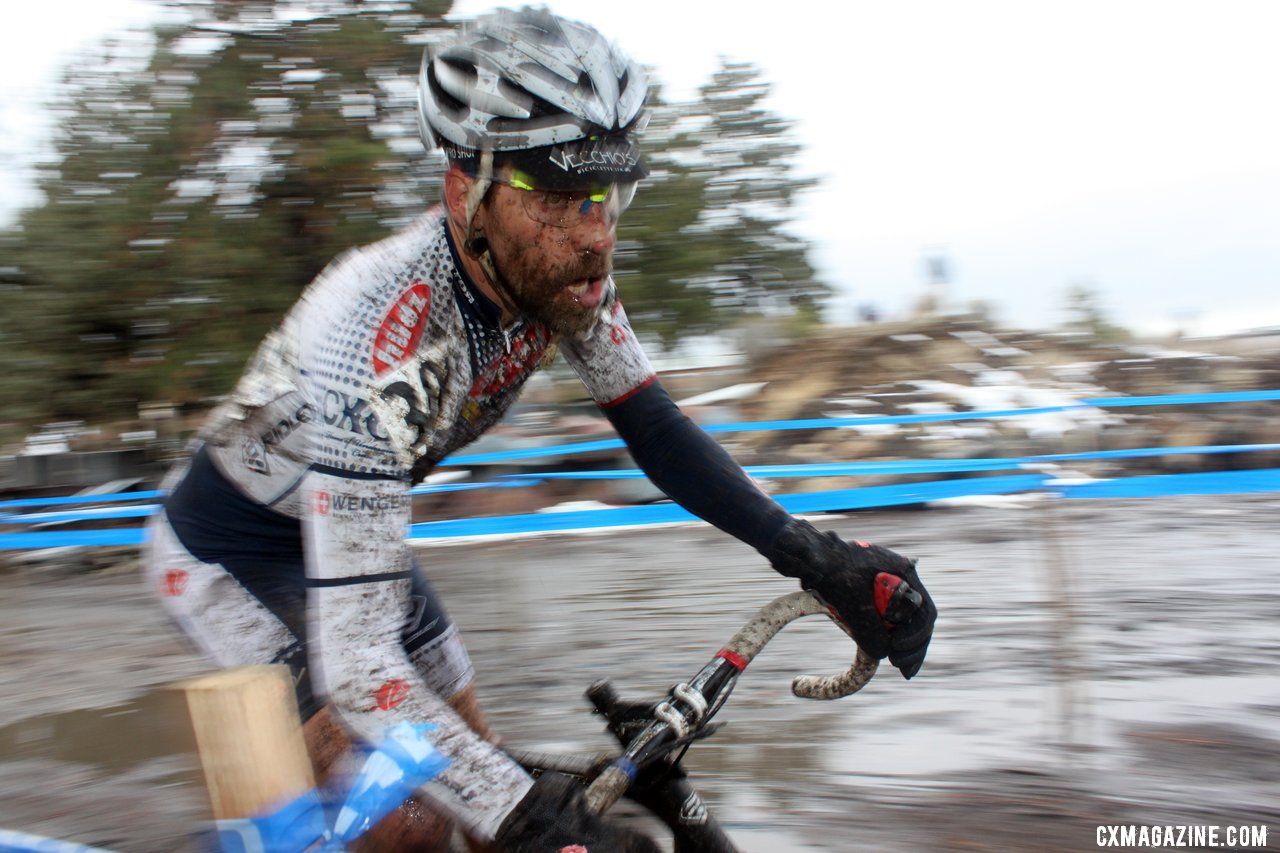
(554, 815)
(843, 575)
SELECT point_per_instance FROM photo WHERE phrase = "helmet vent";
(514, 125)
(446, 100)
(516, 95)
(488, 44)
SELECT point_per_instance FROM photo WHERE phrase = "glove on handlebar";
(843, 575)
(554, 816)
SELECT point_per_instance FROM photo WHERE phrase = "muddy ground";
(1096, 662)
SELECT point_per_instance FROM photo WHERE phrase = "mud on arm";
(358, 569)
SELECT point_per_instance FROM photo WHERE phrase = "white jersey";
(391, 360)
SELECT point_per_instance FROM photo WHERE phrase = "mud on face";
(539, 262)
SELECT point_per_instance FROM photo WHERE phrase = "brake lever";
(626, 719)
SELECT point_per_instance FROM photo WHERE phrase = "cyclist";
(282, 537)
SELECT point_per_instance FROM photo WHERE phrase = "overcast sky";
(1127, 143)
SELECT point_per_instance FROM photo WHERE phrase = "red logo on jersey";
(174, 583)
(510, 367)
(617, 331)
(401, 329)
(391, 694)
(322, 502)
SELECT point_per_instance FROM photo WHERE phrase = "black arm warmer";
(693, 470)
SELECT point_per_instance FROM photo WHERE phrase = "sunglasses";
(567, 208)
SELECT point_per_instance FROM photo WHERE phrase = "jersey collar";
(484, 308)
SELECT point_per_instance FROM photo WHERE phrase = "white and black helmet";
(512, 81)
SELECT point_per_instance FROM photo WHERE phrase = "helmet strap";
(476, 244)
(479, 188)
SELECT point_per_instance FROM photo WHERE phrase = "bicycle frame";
(655, 736)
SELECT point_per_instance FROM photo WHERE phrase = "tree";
(706, 240)
(196, 193)
(198, 188)
(657, 265)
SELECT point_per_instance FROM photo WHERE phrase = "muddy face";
(554, 274)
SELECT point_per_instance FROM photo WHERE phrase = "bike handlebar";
(614, 780)
(775, 616)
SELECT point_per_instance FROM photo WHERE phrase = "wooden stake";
(249, 739)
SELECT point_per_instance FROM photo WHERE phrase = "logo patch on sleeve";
(175, 582)
(401, 329)
(391, 694)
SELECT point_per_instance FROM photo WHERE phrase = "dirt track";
(1155, 701)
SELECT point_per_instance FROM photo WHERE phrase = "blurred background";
(175, 173)
(919, 208)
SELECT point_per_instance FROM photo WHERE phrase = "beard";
(540, 290)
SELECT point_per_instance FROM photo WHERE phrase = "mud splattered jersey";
(391, 360)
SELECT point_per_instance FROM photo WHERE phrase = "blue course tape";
(441, 488)
(21, 842)
(1140, 452)
(1185, 399)
(80, 499)
(1214, 483)
(1159, 485)
(760, 426)
(534, 452)
(70, 538)
(749, 426)
(669, 513)
(820, 469)
(833, 423)
(403, 762)
(298, 825)
(79, 514)
(915, 466)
